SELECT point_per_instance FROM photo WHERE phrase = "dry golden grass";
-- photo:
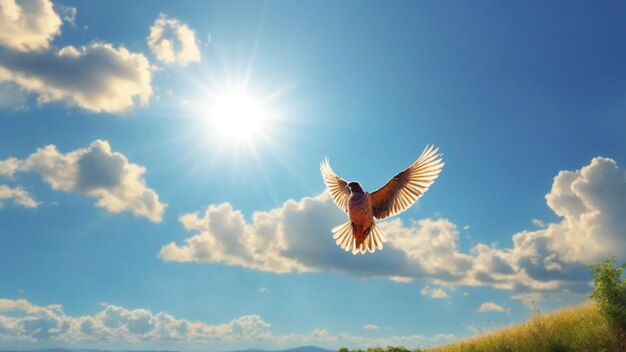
(580, 328)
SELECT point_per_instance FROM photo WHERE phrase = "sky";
(160, 183)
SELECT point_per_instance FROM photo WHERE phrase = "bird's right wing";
(336, 185)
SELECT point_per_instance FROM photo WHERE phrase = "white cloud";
(491, 307)
(119, 327)
(97, 77)
(69, 14)
(98, 172)
(28, 25)
(296, 237)
(433, 292)
(9, 166)
(371, 327)
(18, 195)
(263, 289)
(538, 223)
(173, 42)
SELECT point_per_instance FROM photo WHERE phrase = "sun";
(237, 116)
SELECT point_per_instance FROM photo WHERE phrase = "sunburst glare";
(237, 116)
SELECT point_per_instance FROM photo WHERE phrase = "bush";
(610, 295)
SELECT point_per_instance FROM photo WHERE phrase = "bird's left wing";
(406, 187)
(336, 185)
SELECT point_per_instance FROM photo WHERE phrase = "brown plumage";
(361, 234)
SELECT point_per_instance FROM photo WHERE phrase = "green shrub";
(610, 295)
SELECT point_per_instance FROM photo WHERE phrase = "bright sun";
(235, 115)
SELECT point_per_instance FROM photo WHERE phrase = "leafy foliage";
(610, 295)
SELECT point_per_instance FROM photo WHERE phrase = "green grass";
(577, 329)
(580, 328)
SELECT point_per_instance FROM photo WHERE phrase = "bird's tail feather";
(346, 240)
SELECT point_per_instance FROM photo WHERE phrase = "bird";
(360, 234)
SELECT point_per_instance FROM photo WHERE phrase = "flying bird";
(361, 234)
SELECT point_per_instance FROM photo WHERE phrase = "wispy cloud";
(538, 223)
(490, 307)
(434, 292)
(371, 327)
(18, 195)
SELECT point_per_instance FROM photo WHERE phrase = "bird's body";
(361, 234)
(360, 214)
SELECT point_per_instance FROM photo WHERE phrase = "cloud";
(538, 223)
(97, 77)
(119, 327)
(491, 307)
(433, 292)
(69, 14)
(28, 25)
(95, 171)
(263, 289)
(296, 238)
(18, 195)
(173, 42)
(9, 166)
(371, 327)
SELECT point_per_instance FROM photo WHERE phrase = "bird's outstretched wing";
(336, 185)
(406, 187)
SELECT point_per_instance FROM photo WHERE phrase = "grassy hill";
(580, 328)
(575, 329)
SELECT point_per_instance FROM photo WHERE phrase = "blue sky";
(135, 215)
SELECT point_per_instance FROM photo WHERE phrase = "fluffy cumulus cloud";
(296, 237)
(24, 322)
(95, 171)
(173, 42)
(18, 195)
(98, 77)
(490, 307)
(590, 202)
(28, 25)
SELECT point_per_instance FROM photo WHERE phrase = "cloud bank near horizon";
(23, 323)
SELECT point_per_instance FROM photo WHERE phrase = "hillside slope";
(580, 328)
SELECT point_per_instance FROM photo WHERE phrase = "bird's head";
(354, 187)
